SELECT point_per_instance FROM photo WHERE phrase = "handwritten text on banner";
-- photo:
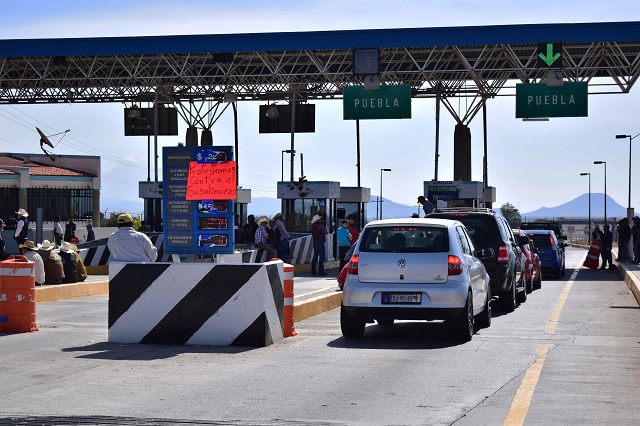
(212, 181)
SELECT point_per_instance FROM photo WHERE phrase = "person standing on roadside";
(69, 229)
(624, 235)
(282, 245)
(607, 242)
(318, 235)
(353, 231)
(91, 236)
(22, 228)
(128, 245)
(635, 234)
(57, 230)
(344, 241)
(427, 206)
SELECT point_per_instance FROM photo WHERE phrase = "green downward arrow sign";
(549, 58)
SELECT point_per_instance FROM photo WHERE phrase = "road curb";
(50, 293)
(316, 306)
(631, 280)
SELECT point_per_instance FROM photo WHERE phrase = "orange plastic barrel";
(17, 295)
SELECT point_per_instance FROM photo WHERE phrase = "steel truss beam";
(476, 73)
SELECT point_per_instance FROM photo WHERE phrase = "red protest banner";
(212, 181)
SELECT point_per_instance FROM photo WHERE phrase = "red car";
(533, 268)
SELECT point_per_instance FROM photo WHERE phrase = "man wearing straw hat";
(22, 228)
(29, 250)
(261, 239)
(68, 263)
(53, 270)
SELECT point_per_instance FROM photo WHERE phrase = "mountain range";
(264, 206)
(578, 207)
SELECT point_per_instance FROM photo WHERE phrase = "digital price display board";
(199, 191)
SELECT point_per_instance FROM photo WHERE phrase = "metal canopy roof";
(462, 61)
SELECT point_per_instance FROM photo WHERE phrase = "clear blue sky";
(532, 164)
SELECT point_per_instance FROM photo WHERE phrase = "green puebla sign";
(537, 100)
(387, 102)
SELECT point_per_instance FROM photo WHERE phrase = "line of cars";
(447, 266)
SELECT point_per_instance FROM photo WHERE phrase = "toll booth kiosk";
(352, 205)
(243, 199)
(459, 193)
(303, 200)
(151, 193)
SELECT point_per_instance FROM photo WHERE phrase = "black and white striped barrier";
(301, 252)
(234, 304)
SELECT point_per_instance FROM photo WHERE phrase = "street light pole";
(589, 232)
(381, 199)
(605, 188)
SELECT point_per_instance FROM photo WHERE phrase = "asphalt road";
(582, 370)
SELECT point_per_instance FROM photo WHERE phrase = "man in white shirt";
(29, 250)
(127, 245)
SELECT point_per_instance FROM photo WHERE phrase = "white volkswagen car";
(416, 269)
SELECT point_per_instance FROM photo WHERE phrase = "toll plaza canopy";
(469, 61)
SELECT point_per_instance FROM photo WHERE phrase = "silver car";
(416, 269)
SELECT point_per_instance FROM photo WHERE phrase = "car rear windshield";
(541, 240)
(482, 227)
(409, 239)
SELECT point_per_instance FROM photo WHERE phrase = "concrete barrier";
(196, 303)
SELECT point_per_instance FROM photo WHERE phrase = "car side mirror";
(563, 237)
(523, 240)
(485, 253)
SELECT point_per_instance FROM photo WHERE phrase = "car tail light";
(455, 265)
(553, 246)
(352, 266)
(503, 253)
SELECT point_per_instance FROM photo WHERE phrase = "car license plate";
(401, 298)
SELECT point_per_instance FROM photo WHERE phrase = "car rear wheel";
(508, 298)
(385, 321)
(483, 320)
(537, 284)
(530, 284)
(352, 327)
(464, 323)
(521, 297)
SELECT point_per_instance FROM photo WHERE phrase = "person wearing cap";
(262, 237)
(607, 242)
(30, 251)
(427, 206)
(635, 234)
(53, 269)
(69, 264)
(128, 245)
(22, 228)
(282, 245)
(318, 236)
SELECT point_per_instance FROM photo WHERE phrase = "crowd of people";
(626, 234)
